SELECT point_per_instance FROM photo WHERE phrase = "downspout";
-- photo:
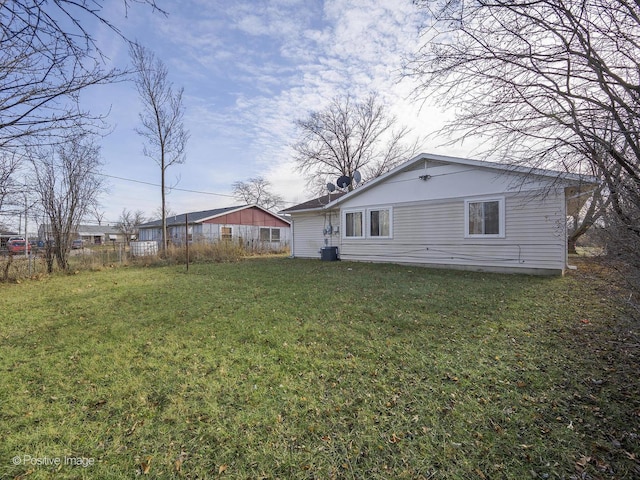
(293, 236)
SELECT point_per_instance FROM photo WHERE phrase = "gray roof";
(87, 230)
(194, 217)
(314, 203)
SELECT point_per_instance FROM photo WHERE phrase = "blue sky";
(249, 69)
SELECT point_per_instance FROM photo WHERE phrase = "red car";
(18, 246)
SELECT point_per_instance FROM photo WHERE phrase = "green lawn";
(280, 368)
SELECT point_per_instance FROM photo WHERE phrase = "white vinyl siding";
(308, 236)
(435, 232)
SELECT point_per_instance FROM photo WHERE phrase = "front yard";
(279, 368)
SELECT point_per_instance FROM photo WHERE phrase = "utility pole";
(26, 234)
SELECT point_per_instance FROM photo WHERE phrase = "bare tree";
(66, 178)
(257, 191)
(581, 220)
(48, 56)
(545, 83)
(96, 213)
(128, 223)
(169, 212)
(9, 163)
(349, 135)
(162, 118)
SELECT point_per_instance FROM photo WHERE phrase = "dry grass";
(19, 268)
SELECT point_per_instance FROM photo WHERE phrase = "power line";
(175, 188)
(169, 188)
(150, 184)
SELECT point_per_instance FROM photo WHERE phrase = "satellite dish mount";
(344, 181)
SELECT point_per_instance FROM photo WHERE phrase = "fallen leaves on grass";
(135, 425)
(145, 465)
(177, 463)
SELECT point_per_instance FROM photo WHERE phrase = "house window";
(226, 233)
(269, 234)
(353, 224)
(484, 218)
(380, 223)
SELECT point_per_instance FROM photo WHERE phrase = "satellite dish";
(357, 177)
(331, 187)
(343, 181)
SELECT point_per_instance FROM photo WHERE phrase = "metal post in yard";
(186, 237)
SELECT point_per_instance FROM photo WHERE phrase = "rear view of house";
(250, 225)
(447, 212)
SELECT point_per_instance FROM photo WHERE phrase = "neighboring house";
(90, 234)
(251, 225)
(448, 212)
(99, 234)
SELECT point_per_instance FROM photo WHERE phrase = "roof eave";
(302, 210)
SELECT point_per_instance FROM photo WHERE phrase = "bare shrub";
(218, 252)
(622, 252)
(14, 268)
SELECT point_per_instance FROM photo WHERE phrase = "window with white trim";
(484, 218)
(353, 224)
(380, 222)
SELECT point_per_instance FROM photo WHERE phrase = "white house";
(447, 212)
(251, 225)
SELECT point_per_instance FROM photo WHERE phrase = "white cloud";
(250, 69)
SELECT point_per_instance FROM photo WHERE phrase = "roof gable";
(205, 215)
(432, 160)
